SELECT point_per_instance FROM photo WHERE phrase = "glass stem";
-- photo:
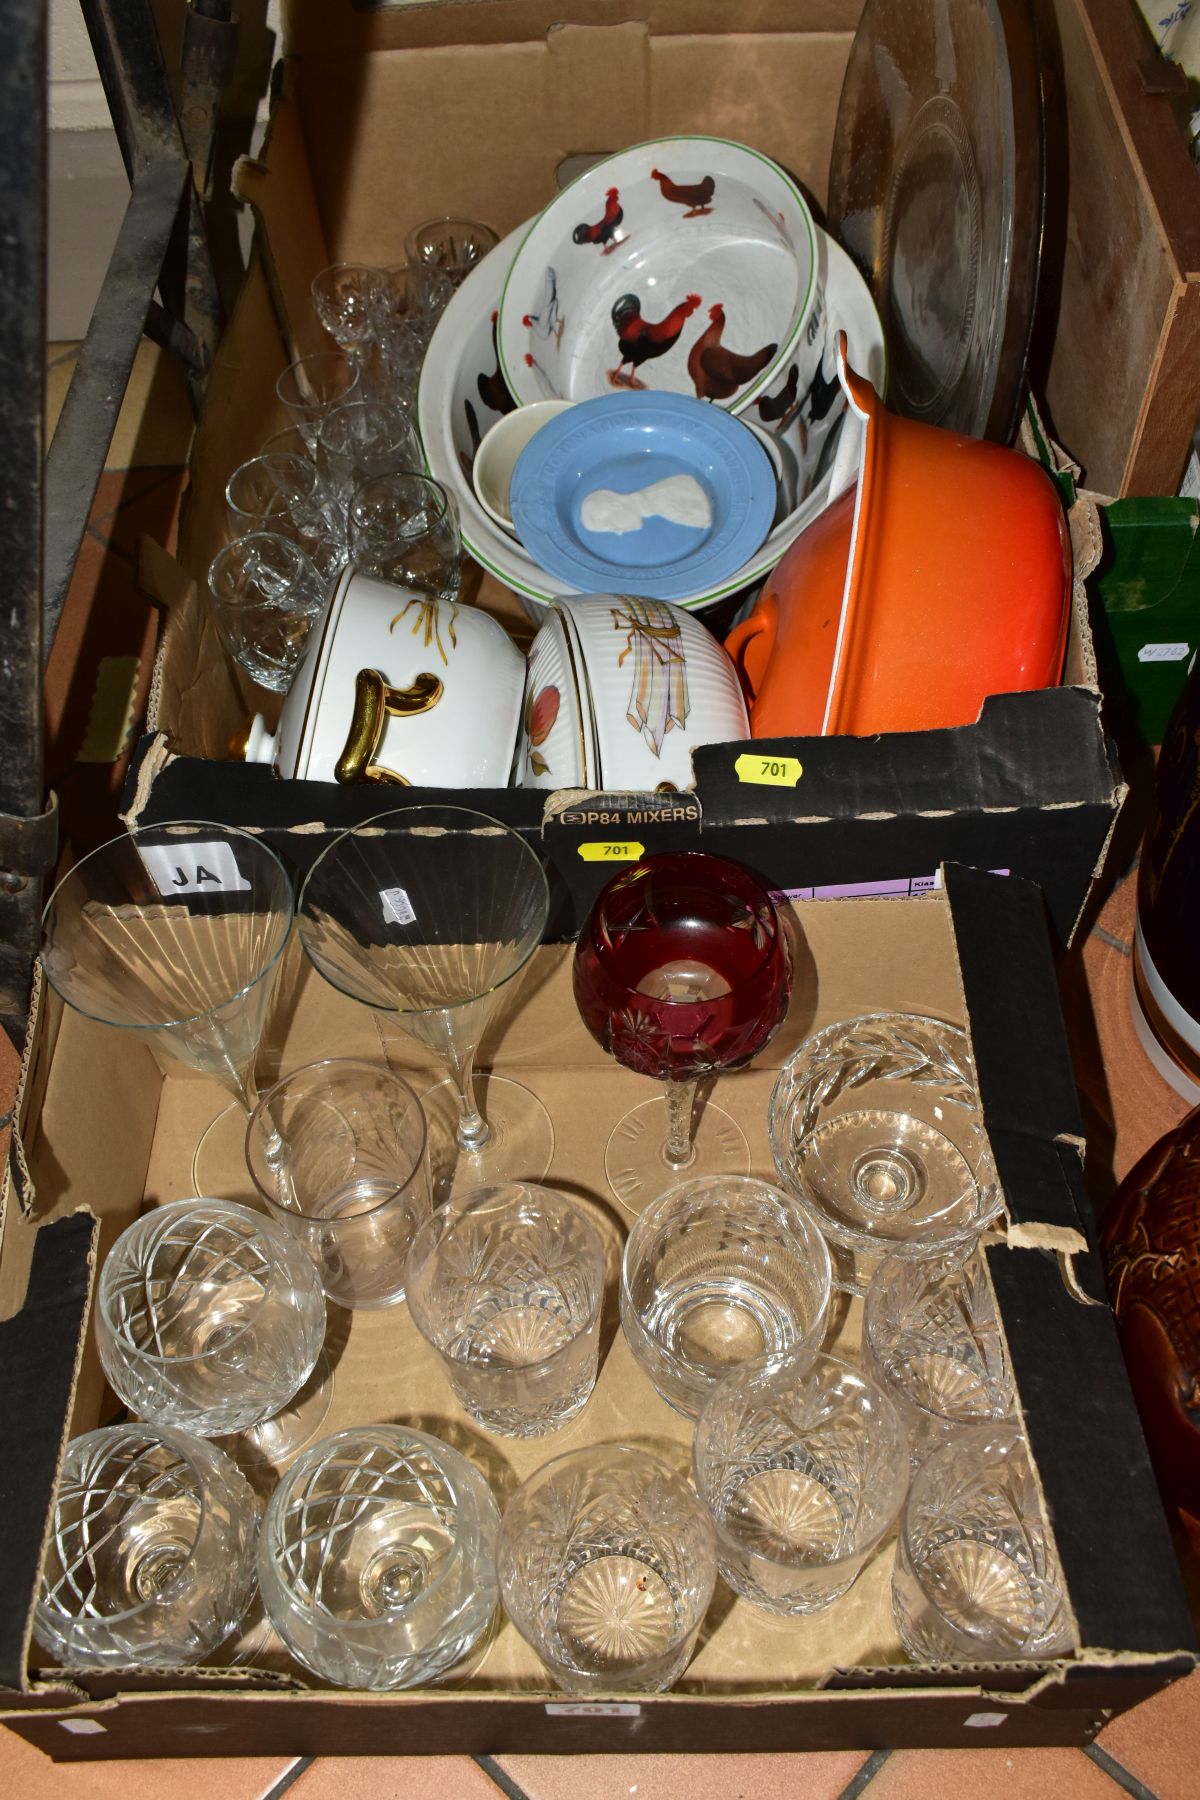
(679, 1149)
(473, 1130)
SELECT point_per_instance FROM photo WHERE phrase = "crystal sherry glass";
(681, 972)
(346, 298)
(210, 1319)
(149, 1562)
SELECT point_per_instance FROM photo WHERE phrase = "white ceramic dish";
(620, 691)
(496, 458)
(556, 747)
(687, 265)
(462, 393)
(395, 686)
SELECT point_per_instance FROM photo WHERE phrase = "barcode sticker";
(82, 1727)
(986, 1721)
(1150, 653)
(593, 1709)
(194, 868)
(397, 907)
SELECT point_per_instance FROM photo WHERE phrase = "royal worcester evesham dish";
(396, 686)
(619, 692)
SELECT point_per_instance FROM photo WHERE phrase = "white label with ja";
(193, 868)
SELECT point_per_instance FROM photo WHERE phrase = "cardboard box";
(1116, 356)
(106, 1134)
(384, 116)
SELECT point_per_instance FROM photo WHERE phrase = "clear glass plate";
(936, 188)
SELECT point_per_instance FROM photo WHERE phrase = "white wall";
(76, 96)
(87, 189)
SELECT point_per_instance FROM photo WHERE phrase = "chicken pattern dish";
(716, 370)
(719, 359)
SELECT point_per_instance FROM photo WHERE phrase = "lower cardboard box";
(107, 1133)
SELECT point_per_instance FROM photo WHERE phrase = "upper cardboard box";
(385, 115)
(493, 93)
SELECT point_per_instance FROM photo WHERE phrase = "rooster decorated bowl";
(396, 686)
(462, 394)
(687, 265)
(619, 691)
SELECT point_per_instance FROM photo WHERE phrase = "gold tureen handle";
(374, 703)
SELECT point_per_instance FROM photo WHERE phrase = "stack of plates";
(463, 392)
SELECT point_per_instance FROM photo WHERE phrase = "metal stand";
(47, 496)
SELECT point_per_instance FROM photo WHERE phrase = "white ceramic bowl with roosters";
(687, 265)
(649, 681)
(462, 393)
(396, 686)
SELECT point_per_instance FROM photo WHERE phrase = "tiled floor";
(1152, 1753)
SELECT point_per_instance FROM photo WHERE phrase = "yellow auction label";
(768, 771)
(611, 852)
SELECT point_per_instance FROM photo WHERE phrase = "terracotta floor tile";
(819, 1775)
(991, 1775)
(1119, 912)
(25, 1774)
(393, 1778)
(1159, 1741)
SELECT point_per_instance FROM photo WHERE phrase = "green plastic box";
(1145, 596)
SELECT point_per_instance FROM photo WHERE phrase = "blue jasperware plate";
(622, 447)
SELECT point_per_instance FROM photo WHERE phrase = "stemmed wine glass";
(453, 245)
(681, 971)
(175, 932)
(346, 297)
(429, 913)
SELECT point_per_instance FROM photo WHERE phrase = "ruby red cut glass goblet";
(681, 972)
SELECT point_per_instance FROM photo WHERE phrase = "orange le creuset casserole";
(941, 576)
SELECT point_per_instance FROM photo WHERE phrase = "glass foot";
(635, 1158)
(519, 1149)
(266, 1447)
(219, 1169)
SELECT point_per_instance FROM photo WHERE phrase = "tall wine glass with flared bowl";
(174, 933)
(429, 914)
